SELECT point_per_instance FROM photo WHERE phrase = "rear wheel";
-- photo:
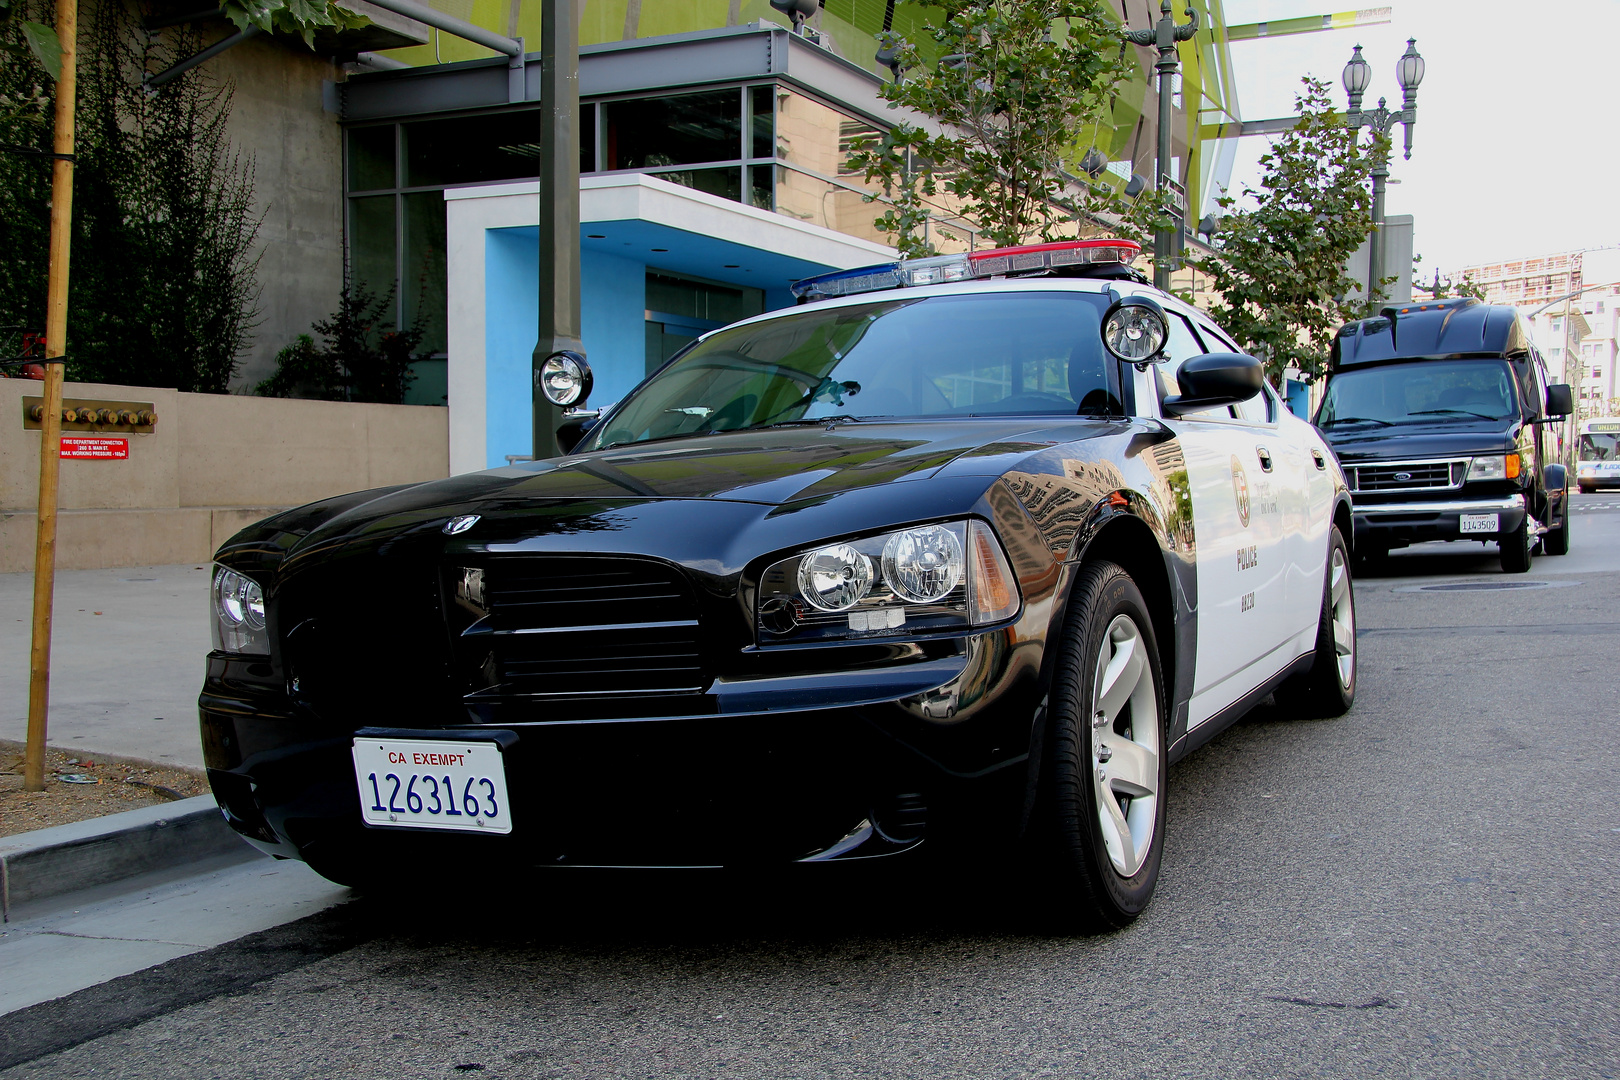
(1516, 549)
(1587, 489)
(1556, 541)
(1328, 689)
(1100, 822)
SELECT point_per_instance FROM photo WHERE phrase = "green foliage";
(46, 47)
(163, 284)
(1279, 267)
(301, 17)
(1016, 82)
(362, 357)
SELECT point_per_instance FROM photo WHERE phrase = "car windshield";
(1420, 392)
(972, 354)
(1595, 447)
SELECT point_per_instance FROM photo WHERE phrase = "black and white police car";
(960, 552)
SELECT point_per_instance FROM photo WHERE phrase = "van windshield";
(1420, 392)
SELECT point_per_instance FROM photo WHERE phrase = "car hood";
(756, 474)
(1409, 442)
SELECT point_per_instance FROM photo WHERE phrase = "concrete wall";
(215, 464)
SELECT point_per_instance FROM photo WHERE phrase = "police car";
(960, 553)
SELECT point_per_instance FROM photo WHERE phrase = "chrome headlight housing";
(1494, 467)
(238, 623)
(924, 579)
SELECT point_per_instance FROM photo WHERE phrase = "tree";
(1279, 265)
(1445, 287)
(362, 356)
(301, 17)
(163, 289)
(1016, 82)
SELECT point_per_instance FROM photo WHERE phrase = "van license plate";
(432, 784)
(1481, 523)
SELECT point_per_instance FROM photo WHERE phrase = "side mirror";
(1560, 399)
(1215, 379)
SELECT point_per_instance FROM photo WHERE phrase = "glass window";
(471, 149)
(684, 129)
(725, 182)
(762, 110)
(422, 284)
(711, 302)
(371, 242)
(1423, 392)
(371, 158)
(967, 355)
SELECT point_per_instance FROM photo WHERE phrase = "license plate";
(432, 784)
(1480, 523)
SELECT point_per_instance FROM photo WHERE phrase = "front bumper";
(939, 752)
(1396, 524)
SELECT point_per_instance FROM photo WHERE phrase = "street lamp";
(1357, 77)
(1164, 36)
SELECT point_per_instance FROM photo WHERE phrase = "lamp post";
(1164, 36)
(1357, 76)
(559, 207)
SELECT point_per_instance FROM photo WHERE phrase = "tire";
(1328, 689)
(1556, 541)
(1516, 549)
(1099, 825)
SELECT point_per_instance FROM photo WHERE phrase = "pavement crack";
(137, 940)
(1311, 1003)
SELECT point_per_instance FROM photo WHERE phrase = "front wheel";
(1516, 549)
(1100, 821)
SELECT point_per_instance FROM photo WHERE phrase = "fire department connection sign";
(94, 448)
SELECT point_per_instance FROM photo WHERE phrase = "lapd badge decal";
(458, 525)
(1240, 490)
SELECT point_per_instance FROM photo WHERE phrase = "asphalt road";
(1426, 887)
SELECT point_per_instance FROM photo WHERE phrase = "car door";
(1239, 536)
(1301, 492)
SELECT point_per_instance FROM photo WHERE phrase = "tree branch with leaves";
(1279, 265)
(1016, 83)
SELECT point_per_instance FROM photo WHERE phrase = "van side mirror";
(1560, 400)
(1215, 379)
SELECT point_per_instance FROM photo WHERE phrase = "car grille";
(1409, 476)
(588, 626)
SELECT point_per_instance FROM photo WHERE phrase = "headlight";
(1494, 467)
(238, 623)
(934, 578)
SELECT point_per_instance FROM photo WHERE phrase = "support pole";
(1375, 239)
(50, 435)
(559, 207)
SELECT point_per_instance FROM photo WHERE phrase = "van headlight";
(927, 578)
(239, 625)
(1494, 467)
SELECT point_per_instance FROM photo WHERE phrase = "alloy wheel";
(1125, 745)
(1344, 619)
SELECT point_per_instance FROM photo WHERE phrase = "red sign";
(94, 447)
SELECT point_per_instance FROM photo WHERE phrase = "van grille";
(1409, 476)
(565, 626)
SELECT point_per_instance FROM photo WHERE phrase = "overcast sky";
(1512, 155)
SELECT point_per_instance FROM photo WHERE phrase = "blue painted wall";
(613, 304)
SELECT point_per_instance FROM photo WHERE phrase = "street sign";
(94, 448)
(1176, 195)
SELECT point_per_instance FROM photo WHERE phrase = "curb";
(81, 855)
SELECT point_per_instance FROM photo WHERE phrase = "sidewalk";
(127, 660)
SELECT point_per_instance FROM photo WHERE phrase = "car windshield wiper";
(1459, 412)
(1356, 420)
(807, 421)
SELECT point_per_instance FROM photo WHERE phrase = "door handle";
(1265, 458)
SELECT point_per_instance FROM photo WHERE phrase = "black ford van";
(1442, 415)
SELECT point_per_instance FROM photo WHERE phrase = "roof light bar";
(941, 269)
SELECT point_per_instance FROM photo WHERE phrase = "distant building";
(1580, 334)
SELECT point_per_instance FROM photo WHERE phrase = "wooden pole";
(50, 435)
